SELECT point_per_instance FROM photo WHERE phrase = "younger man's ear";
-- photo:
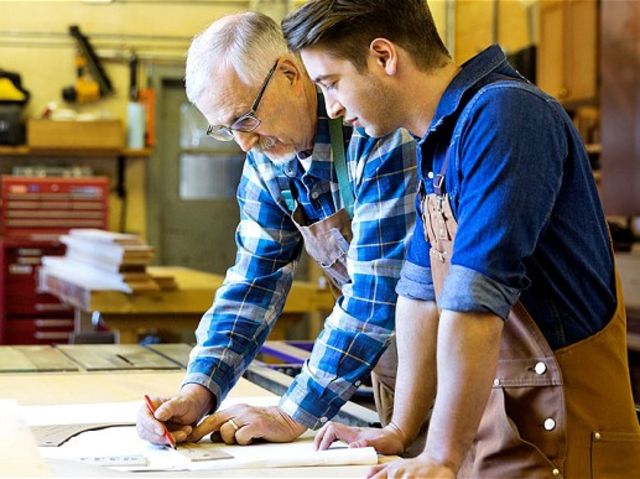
(385, 54)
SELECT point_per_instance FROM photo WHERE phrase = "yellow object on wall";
(9, 92)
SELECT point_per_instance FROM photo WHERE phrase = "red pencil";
(167, 435)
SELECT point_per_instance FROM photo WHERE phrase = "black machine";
(13, 98)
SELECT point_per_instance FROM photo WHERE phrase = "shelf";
(13, 150)
(24, 150)
(144, 153)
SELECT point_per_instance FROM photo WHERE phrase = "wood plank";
(109, 357)
(34, 359)
(178, 353)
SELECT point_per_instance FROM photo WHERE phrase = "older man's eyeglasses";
(245, 123)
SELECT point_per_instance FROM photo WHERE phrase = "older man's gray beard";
(280, 159)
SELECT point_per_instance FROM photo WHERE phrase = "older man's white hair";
(248, 42)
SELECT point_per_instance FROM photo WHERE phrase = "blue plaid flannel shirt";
(246, 306)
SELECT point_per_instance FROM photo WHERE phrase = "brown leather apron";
(327, 242)
(565, 413)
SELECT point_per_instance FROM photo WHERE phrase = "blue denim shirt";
(530, 223)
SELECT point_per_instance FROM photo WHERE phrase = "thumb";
(179, 408)
(169, 409)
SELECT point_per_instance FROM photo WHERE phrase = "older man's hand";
(241, 424)
(389, 440)
(178, 414)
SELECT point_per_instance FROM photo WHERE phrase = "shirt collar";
(320, 155)
(472, 73)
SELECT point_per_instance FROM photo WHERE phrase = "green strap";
(337, 146)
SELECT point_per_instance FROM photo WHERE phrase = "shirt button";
(549, 424)
(496, 382)
(289, 171)
(357, 383)
(315, 195)
(323, 419)
(430, 175)
(540, 368)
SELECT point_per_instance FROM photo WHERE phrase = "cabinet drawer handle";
(52, 307)
(54, 323)
(29, 252)
(20, 269)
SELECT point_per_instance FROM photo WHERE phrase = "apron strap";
(438, 180)
(340, 164)
(284, 183)
(338, 140)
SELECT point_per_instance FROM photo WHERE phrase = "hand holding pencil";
(170, 421)
(167, 435)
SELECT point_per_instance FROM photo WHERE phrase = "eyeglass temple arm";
(265, 83)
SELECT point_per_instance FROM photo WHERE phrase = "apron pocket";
(615, 455)
(333, 257)
(501, 451)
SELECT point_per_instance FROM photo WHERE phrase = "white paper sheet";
(123, 441)
(119, 442)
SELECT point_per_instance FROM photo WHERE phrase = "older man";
(352, 216)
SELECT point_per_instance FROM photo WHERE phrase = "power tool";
(92, 81)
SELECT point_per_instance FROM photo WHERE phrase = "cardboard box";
(90, 135)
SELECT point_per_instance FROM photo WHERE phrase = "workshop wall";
(47, 63)
(479, 23)
(45, 59)
(34, 42)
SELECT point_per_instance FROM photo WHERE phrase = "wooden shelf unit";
(24, 151)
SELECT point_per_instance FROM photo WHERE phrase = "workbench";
(176, 311)
(69, 379)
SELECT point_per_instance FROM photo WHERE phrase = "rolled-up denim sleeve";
(415, 278)
(466, 290)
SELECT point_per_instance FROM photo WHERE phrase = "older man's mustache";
(265, 143)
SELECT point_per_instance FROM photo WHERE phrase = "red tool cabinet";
(28, 316)
(41, 207)
(34, 211)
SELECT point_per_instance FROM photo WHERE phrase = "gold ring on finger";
(233, 424)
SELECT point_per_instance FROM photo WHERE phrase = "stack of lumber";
(107, 260)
